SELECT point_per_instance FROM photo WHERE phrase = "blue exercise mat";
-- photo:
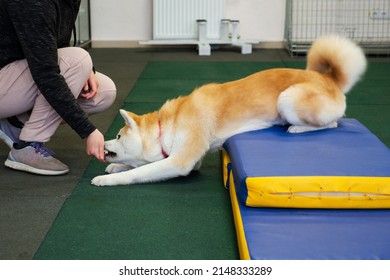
(349, 154)
(310, 234)
(343, 167)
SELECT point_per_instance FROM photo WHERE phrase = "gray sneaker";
(35, 158)
(9, 133)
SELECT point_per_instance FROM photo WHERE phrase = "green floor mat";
(182, 218)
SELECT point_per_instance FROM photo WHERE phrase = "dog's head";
(127, 148)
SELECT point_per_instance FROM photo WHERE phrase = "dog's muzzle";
(109, 154)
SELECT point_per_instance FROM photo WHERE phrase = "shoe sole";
(6, 139)
(23, 167)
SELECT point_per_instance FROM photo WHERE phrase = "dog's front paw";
(101, 181)
(117, 167)
(123, 178)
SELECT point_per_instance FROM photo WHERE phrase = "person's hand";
(90, 88)
(95, 145)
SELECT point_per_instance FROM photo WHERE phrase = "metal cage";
(365, 21)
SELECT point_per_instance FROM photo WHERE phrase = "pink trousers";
(19, 96)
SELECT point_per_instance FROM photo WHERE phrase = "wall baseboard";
(135, 44)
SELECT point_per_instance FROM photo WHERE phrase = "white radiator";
(176, 19)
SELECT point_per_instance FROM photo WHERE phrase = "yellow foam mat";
(312, 191)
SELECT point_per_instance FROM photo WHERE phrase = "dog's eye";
(118, 136)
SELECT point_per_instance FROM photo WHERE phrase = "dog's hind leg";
(306, 107)
(306, 128)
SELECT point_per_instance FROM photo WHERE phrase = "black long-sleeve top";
(34, 30)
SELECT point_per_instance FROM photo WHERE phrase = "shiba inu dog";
(172, 141)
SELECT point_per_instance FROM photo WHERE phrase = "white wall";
(259, 19)
(131, 20)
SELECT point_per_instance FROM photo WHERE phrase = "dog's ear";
(130, 118)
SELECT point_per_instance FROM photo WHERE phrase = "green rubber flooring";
(188, 217)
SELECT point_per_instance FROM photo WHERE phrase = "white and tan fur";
(187, 127)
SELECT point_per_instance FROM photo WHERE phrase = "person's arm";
(36, 23)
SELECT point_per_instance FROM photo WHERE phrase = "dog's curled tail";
(340, 57)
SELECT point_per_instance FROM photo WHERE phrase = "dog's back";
(308, 99)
